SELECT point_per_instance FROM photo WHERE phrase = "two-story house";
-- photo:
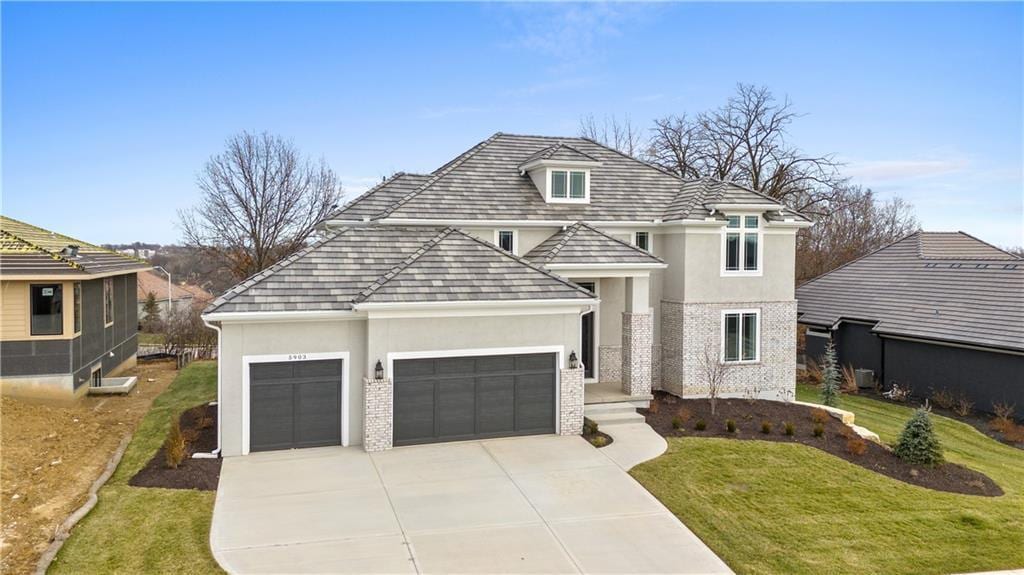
(500, 294)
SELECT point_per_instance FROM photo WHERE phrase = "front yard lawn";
(784, 508)
(148, 530)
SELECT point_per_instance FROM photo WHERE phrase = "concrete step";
(612, 414)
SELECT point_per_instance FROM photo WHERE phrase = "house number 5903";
(295, 356)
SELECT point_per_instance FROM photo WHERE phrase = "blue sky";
(110, 110)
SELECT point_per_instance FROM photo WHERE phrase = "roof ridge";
(265, 273)
(523, 261)
(869, 254)
(993, 246)
(628, 157)
(372, 190)
(401, 266)
(567, 234)
(615, 239)
(445, 170)
(33, 245)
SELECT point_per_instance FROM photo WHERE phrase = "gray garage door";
(294, 404)
(454, 398)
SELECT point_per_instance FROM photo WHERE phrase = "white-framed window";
(108, 301)
(742, 245)
(642, 240)
(741, 335)
(507, 240)
(567, 185)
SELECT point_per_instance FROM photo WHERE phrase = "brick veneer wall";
(609, 363)
(637, 342)
(686, 328)
(378, 415)
(571, 402)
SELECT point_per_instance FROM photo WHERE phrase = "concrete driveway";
(542, 504)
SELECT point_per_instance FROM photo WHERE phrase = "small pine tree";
(918, 443)
(175, 447)
(150, 313)
(830, 377)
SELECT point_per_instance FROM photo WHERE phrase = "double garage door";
(298, 404)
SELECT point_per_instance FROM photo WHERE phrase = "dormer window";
(561, 174)
(569, 184)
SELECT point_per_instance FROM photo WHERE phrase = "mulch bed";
(590, 437)
(201, 474)
(749, 415)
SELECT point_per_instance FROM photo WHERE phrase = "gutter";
(216, 452)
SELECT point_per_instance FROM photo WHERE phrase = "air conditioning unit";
(865, 378)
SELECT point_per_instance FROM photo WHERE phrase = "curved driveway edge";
(633, 444)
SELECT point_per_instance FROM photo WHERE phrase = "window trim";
(568, 199)
(31, 308)
(757, 336)
(743, 233)
(515, 239)
(636, 240)
(108, 321)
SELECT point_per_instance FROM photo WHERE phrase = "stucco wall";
(241, 339)
(703, 280)
(529, 238)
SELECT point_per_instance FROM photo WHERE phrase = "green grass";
(136, 529)
(784, 508)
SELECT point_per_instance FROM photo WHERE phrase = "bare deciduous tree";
(715, 373)
(184, 330)
(261, 201)
(857, 224)
(612, 132)
(746, 141)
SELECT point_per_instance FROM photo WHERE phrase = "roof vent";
(70, 251)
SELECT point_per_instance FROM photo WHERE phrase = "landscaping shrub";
(766, 427)
(204, 421)
(174, 446)
(1003, 410)
(819, 416)
(589, 426)
(677, 422)
(830, 377)
(599, 441)
(789, 428)
(918, 443)
(963, 406)
(849, 383)
(813, 373)
(943, 398)
(856, 446)
(730, 426)
(654, 408)
(701, 425)
(684, 414)
(819, 430)
(1014, 433)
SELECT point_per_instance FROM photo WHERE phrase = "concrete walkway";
(543, 504)
(633, 444)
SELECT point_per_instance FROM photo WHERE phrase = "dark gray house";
(933, 311)
(68, 312)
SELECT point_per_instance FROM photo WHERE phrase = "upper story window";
(741, 335)
(78, 307)
(47, 309)
(108, 301)
(569, 185)
(642, 240)
(742, 245)
(561, 174)
(507, 240)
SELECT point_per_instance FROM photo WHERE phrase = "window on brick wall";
(741, 335)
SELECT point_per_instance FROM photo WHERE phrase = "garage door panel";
(535, 407)
(318, 406)
(506, 395)
(271, 416)
(325, 369)
(456, 408)
(496, 410)
(413, 410)
(260, 372)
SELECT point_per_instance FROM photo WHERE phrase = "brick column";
(637, 335)
(571, 400)
(378, 417)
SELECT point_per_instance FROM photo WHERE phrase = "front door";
(587, 336)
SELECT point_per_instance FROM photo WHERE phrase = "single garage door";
(294, 404)
(455, 398)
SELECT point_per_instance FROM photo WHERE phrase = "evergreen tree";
(918, 443)
(830, 377)
(150, 313)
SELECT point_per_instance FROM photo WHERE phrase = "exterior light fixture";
(574, 362)
(378, 371)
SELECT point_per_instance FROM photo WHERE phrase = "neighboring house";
(68, 312)
(182, 296)
(931, 312)
(477, 300)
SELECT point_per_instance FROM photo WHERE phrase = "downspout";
(216, 452)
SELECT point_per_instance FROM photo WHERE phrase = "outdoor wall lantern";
(378, 371)
(574, 362)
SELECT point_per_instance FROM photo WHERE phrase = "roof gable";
(584, 244)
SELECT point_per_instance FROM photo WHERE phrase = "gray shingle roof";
(393, 264)
(560, 151)
(379, 197)
(964, 291)
(485, 183)
(582, 244)
(27, 250)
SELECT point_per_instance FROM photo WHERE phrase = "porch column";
(637, 337)
(377, 414)
(571, 415)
